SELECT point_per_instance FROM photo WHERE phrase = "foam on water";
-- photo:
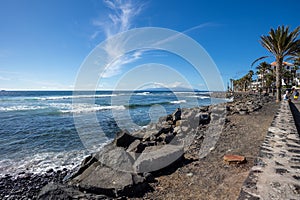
(178, 102)
(143, 93)
(61, 107)
(203, 97)
(84, 108)
(21, 108)
(38, 127)
(42, 162)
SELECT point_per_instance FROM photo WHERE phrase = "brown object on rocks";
(234, 159)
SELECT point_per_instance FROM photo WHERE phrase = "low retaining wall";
(276, 172)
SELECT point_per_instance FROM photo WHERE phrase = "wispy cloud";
(115, 67)
(176, 36)
(119, 19)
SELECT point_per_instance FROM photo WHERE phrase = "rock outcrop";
(246, 104)
(125, 167)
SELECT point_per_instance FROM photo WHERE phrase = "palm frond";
(263, 57)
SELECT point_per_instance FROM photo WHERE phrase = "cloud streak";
(119, 19)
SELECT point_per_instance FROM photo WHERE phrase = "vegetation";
(243, 83)
(283, 44)
(264, 69)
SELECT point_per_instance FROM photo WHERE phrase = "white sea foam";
(203, 97)
(62, 107)
(177, 102)
(143, 93)
(42, 162)
(21, 108)
(84, 108)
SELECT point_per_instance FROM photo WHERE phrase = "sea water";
(38, 133)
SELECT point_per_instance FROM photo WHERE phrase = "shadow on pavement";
(296, 114)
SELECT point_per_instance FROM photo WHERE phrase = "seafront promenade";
(276, 172)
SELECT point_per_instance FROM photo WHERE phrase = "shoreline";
(47, 177)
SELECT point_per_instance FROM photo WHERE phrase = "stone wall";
(276, 172)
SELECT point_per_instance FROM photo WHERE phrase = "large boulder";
(114, 157)
(101, 179)
(54, 191)
(155, 158)
(108, 172)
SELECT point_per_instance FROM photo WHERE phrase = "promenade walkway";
(276, 173)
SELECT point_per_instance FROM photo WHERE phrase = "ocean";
(39, 130)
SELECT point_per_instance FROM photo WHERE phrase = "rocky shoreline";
(28, 185)
(130, 166)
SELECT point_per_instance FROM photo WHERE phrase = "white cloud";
(120, 18)
(115, 67)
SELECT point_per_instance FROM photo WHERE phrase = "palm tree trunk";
(278, 79)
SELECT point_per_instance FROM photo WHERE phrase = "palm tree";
(296, 65)
(263, 69)
(249, 77)
(287, 76)
(282, 44)
(270, 78)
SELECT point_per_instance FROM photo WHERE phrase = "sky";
(45, 44)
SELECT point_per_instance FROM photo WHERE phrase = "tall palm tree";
(263, 69)
(282, 44)
(270, 78)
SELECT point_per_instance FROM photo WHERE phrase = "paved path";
(276, 174)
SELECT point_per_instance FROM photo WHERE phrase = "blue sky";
(44, 43)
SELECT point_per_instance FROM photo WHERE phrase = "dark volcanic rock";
(124, 139)
(108, 172)
(176, 115)
(27, 185)
(54, 191)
